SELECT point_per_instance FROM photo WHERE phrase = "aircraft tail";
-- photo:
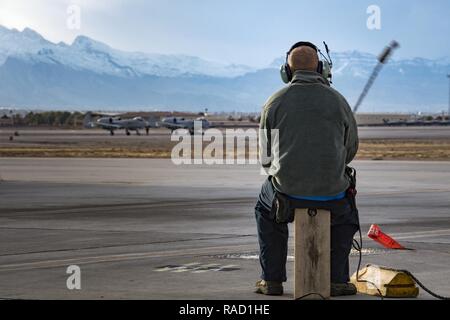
(87, 121)
(153, 122)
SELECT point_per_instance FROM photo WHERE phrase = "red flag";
(376, 234)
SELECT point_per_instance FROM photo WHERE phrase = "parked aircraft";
(174, 123)
(114, 122)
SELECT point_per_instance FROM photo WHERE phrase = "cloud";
(40, 14)
(250, 32)
(49, 17)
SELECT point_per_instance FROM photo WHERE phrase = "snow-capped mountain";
(87, 54)
(88, 74)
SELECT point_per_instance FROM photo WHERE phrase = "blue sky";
(240, 31)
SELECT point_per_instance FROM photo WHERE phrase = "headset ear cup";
(327, 71)
(320, 67)
(288, 72)
(285, 73)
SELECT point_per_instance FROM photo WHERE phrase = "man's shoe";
(343, 289)
(270, 288)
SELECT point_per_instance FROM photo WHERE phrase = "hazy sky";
(252, 32)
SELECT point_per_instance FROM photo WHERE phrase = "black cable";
(358, 247)
(351, 172)
(420, 284)
(310, 294)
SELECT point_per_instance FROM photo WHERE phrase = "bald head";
(303, 58)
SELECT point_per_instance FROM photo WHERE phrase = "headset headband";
(323, 67)
(302, 44)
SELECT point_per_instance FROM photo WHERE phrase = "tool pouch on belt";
(351, 191)
(350, 173)
(282, 208)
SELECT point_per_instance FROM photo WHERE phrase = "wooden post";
(312, 253)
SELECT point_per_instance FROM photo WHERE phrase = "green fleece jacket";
(317, 136)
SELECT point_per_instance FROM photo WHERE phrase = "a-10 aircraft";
(114, 122)
(174, 123)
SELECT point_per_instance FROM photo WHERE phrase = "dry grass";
(75, 152)
(404, 150)
(369, 149)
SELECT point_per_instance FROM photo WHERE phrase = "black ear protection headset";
(323, 67)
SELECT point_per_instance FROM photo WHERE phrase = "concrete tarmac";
(68, 136)
(147, 229)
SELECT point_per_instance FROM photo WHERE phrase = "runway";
(138, 228)
(69, 136)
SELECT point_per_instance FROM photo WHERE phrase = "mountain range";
(90, 75)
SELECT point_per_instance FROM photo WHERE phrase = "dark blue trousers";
(273, 236)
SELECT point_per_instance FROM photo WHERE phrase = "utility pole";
(382, 59)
